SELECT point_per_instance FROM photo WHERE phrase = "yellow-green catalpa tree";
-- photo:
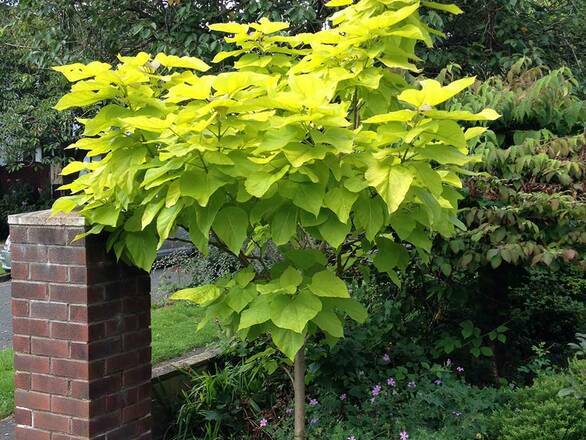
(316, 143)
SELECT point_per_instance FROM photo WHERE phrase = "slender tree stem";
(299, 387)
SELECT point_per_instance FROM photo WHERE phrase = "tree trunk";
(299, 388)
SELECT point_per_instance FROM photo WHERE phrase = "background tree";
(525, 208)
(493, 34)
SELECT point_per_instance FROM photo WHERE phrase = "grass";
(6, 383)
(173, 331)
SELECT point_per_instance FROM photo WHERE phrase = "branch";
(222, 246)
(18, 46)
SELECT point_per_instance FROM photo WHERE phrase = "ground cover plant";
(316, 141)
(379, 393)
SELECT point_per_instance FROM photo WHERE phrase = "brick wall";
(81, 335)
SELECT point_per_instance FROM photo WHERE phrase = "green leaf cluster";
(316, 142)
(290, 307)
(525, 205)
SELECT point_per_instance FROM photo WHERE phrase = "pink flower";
(343, 396)
(289, 410)
(386, 358)
(404, 435)
(459, 369)
(351, 438)
(391, 382)
(313, 402)
(376, 390)
(263, 423)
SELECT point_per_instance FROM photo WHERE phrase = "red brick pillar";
(81, 335)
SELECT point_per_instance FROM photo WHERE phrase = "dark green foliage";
(528, 206)
(130, 26)
(538, 413)
(536, 306)
(21, 199)
(450, 410)
(224, 403)
(492, 34)
(525, 209)
(27, 120)
(546, 307)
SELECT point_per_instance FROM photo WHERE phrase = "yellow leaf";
(75, 167)
(229, 28)
(148, 124)
(391, 182)
(338, 3)
(199, 89)
(221, 56)
(269, 27)
(433, 93)
(230, 82)
(77, 71)
(138, 60)
(84, 98)
(185, 62)
(473, 132)
(199, 295)
(487, 114)
(314, 90)
(400, 115)
(452, 9)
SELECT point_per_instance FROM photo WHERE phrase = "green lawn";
(174, 330)
(174, 333)
(6, 383)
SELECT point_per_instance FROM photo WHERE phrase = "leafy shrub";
(537, 413)
(191, 268)
(224, 403)
(548, 307)
(21, 199)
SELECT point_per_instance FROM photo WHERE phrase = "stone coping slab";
(189, 360)
(46, 218)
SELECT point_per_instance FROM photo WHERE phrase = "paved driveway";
(5, 316)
